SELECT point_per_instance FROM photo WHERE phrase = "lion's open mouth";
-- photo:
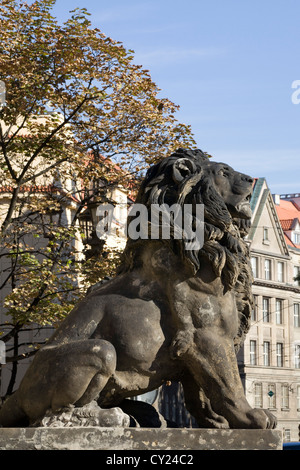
(243, 208)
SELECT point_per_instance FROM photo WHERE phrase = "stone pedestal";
(150, 439)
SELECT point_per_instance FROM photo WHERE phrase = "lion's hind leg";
(67, 374)
(87, 365)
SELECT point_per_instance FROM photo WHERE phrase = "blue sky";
(228, 64)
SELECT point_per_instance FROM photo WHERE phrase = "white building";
(270, 358)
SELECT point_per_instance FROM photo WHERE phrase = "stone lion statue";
(170, 314)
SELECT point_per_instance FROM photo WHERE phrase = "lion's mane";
(224, 246)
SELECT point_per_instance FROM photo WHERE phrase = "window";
(266, 234)
(86, 226)
(279, 354)
(253, 352)
(298, 397)
(266, 353)
(297, 315)
(297, 356)
(296, 274)
(266, 309)
(287, 435)
(268, 269)
(296, 238)
(254, 264)
(272, 395)
(278, 311)
(254, 309)
(258, 395)
(284, 396)
(280, 266)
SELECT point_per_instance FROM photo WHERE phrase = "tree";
(79, 112)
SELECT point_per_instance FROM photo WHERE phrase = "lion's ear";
(182, 168)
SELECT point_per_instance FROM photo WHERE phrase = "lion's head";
(190, 177)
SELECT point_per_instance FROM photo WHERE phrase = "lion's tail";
(11, 414)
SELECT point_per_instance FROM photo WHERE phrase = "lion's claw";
(181, 344)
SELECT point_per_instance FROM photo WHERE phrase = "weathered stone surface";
(178, 310)
(93, 438)
(88, 416)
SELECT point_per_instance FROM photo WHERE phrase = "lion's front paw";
(181, 343)
(262, 419)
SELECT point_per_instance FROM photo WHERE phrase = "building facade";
(269, 361)
(15, 354)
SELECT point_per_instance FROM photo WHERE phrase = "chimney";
(276, 199)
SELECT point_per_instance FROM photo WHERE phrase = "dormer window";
(296, 237)
(295, 231)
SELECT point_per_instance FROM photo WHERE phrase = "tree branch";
(19, 180)
(11, 209)
(3, 146)
(42, 172)
(51, 135)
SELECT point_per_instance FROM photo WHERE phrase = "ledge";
(154, 439)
